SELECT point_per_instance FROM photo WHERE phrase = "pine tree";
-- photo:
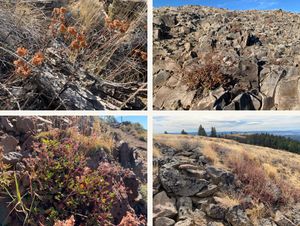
(213, 132)
(183, 132)
(201, 131)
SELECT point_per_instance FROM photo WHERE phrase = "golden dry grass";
(227, 201)
(88, 13)
(257, 212)
(156, 152)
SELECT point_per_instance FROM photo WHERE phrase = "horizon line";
(228, 9)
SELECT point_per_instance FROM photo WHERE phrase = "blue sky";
(288, 5)
(140, 119)
(228, 121)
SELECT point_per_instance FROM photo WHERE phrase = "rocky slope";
(209, 58)
(192, 186)
(125, 162)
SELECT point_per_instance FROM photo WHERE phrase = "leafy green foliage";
(64, 185)
(69, 177)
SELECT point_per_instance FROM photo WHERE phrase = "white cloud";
(227, 121)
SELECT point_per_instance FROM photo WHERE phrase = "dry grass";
(228, 201)
(20, 25)
(209, 152)
(177, 141)
(93, 142)
(209, 76)
(270, 170)
(257, 212)
(89, 13)
(156, 152)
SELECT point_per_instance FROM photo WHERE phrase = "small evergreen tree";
(183, 132)
(213, 132)
(165, 132)
(201, 131)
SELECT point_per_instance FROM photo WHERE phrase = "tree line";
(260, 139)
(201, 132)
(269, 140)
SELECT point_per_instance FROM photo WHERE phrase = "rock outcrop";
(207, 58)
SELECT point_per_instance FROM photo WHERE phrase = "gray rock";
(5, 210)
(180, 182)
(236, 216)
(219, 175)
(207, 191)
(282, 220)
(161, 78)
(199, 217)
(8, 143)
(214, 223)
(24, 125)
(186, 222)
(164, 221)
(125, 155)
(163, 206)
(7, 125)
(215, 211)
(12, 158)
(185, 207)
(266, 222)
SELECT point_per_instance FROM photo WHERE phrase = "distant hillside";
(267, 140)
(293, 134)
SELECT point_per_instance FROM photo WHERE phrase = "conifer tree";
(201, 131)
(183, 132)
(213, 132)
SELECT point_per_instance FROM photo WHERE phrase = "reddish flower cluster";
(130, 219)
(23, 68)
(139, 53)
(120, 25)
(68, 222)
(58, 26)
